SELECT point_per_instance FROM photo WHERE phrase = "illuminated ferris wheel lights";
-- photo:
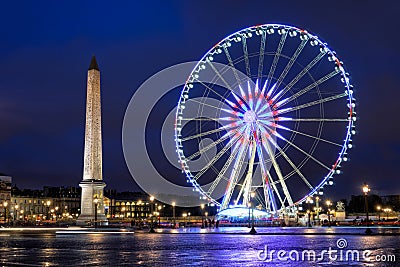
(260, 108)
(270, 30)
(292, 33)
(259, 31)
(303, 37)
(281, 31)
(237, 38)
(313, 42)
(350, 144)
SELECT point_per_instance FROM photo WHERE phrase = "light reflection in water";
(177, 249)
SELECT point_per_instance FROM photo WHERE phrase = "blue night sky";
(46, 46)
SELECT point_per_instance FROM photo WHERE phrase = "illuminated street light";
(5, 204)
(173, 213)
(379, 212)
(202, 215)
(95, 201)
(151, 212)
(387, 211)
(366, 189)
(329, 204)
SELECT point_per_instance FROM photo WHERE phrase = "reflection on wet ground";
(203, 247)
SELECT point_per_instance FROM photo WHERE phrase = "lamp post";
(151, 215)
(317, 208)
(189, 219)
(16, 212)
(184, 219)
(159, 214)
(48, 202)
(173, 214)
(379, 212)
(56, 208)
(52, 214)
(309, 201)
(202, 215)
(5, 204)
(329, 204)
(387, 210)
(252, 230)
(366, 189)
(95, 201)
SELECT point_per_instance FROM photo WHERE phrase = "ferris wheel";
(266, 116)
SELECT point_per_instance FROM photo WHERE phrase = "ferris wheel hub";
(250, 117)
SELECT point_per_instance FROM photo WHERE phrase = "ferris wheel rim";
(350, 126)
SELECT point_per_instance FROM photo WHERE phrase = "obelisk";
(92, 184)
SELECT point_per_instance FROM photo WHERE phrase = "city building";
(5, 195)
(50, 203)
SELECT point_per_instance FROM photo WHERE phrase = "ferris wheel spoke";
(267, 182)
(213, 144)
(278, 172)
(308, 135)
(205, 104)
(230, 62)
(216, 157)
(232, 183)
(211, 119)
(219, 75)
(289, 66)
(250, 95)
(261, 57)
(313, 103)
(310, 119)
(277, 56)
(211, 89)
(302, 151)
(301, 74)
(223, 128)
(246, 56)
(223, 170)
(261, 96)
(297, 170)
(308, 88)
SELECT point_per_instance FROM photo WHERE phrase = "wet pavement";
(337, 246)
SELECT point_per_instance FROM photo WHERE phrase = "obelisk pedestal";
(92, 184)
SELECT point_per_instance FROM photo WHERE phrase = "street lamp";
(379, 212)
(56, 208)
(5, 204)
(202, 215)
(252, 230)
(96, 202)
(16, 212)
(151, 215)
(48, 202)
(159, 214)
(366, 189)
(189, 219)
(173, 213)
(317, 208)
(387, 210)
(184, 219)
(309, 201)
(329, 204)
